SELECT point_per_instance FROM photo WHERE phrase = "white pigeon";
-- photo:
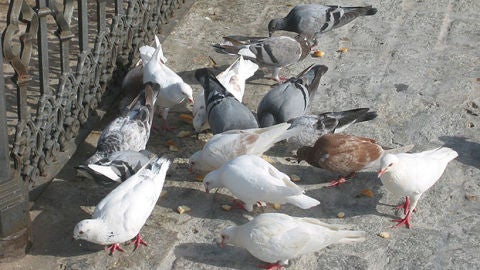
(275, 238)
(233, 79)
(233, 143)
(132, 83)
(123, 212)
(252, 179)
(411, 175)
(173, 90)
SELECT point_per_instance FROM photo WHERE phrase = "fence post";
(14, 215)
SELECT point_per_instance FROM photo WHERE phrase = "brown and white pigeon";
(273, 52)
(275, 238)
(410, 175)
(344, 154)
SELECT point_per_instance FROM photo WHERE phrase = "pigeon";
(344, 154)
(290, 99)
(224, 111)
(230, 144)
(314, 19)
(275, 238)
(233, 79)
(116, 167)
(273, 52)
(123, 212)
(173, 90)
(252, 179)
(132, 83)
(315, 126)
(131, 130)
(410, 175)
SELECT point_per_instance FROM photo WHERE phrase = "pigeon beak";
(222, 244)
(190, 100)
(190, 169)
(207, 190)
(381, 172)
(270, 33)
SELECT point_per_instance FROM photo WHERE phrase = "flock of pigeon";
(231, 156)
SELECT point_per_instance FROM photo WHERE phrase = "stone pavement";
(415, 62)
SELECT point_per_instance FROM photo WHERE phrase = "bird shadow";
(468, 150)
(212, 254)
(210, 206)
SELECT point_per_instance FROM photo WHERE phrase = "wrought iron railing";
(61, 58)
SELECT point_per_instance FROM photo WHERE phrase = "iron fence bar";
(83, 25)
(101, 16)
(4, 150)
(43, 11)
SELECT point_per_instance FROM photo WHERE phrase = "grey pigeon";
(290, 99)
(131, 130)
(314, 126)
(224, 111)
(314, 19)
(115, 168)
(273, 52)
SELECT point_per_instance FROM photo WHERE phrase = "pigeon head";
(187, 92)
(228, 235)
(194, 162)
(92, 230)
(304, 153)
(275, 25)
(387, 163)
(212, 180)
(310, 78)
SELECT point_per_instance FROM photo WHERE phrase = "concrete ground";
(415, 62)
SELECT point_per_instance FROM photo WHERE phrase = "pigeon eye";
(207, 183)
(390, 165)
(80, 232)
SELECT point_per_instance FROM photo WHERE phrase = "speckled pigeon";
(290, 99)
(224, 111)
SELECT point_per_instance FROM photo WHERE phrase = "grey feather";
(131, 130)
(274, 52)
(224, 111)
(314, 19)
(290, 99)
(315, 126)
(123, 163)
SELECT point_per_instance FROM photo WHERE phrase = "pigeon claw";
(272, 266)
(114, 247)
(338, 182)
(138, 241)
(404, 221)
(239, 204)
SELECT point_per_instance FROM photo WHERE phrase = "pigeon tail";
(226, 49)
(361, 11)
(352, 236)
(276, 133)
(445, 153)
(302, 201)
(346, 118)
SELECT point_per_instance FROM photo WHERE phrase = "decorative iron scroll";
(73, 88)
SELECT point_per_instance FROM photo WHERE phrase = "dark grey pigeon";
(274, 52)
(315, 126)
(290, 99)
(131, 130)
(314, 19)
(224, 111)
(115, 168)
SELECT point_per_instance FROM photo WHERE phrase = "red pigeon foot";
(138, 241)
(405, 206)
(238, 204)
(338, 182)
(271, 266)
(114, 247)
(405, 220)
